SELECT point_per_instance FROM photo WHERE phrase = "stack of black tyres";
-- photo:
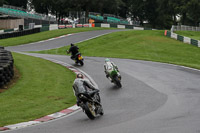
(6, 66)
(19, 33)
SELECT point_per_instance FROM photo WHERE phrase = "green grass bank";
(140, 45)
(44, 88)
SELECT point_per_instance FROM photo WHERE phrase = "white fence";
(184, 28)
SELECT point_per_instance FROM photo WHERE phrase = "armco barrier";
(113, 25)
(129, 26)
(138, 28)
(61, 26)
(45, 28)
(105, 25)
(69, 26)
(6, 67)
(53, 27)
(97, 24)
(146, 28)
(121, 26)
(186, 40)
(194, 42)
(182, 38)
(74, 26)
(79, 25)
(86, 25)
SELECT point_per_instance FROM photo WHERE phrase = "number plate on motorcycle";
(80, 58)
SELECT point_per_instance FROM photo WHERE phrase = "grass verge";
(141, 45)
(191, 34)
(43, 88)
(43, 36)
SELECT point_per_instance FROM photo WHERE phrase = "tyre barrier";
(19, 33)
(6, 66)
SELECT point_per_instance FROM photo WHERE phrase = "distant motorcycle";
(115, 77)
(90, 103)
(79, 59)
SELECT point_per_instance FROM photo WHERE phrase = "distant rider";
(109, 66)
(81, 85)
(73, 50)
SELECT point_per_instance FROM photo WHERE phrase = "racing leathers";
(110, 66)
(73, 50)
(80, 86)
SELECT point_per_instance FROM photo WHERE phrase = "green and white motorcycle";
(114, 76)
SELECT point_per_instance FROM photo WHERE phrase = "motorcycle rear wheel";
(81, 62)
(90, 111)
(102, 112)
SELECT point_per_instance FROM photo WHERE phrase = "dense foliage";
(18, 3)
(158, 13)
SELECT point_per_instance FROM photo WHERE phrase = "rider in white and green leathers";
(109, 67)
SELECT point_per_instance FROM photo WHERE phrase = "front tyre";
(90, 110)
(118, 82)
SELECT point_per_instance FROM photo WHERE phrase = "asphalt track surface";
(155, 98)
(60, 42)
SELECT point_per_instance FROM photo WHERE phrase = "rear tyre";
(81, 62)
(90, 111)
(102, 112)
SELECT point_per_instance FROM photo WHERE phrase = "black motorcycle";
(79, 59)
(90, 103)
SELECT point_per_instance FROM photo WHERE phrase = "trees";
(1, 2)
(164, 13)
(18, 3)
(193, 14)
(158, 13)
(137, 10)
(42, 6)
(151, 13)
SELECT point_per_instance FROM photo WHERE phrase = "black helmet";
(79, 75)
(72, 44)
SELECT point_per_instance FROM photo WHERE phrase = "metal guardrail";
(184, 28)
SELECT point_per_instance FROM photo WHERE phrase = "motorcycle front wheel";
(118, 82)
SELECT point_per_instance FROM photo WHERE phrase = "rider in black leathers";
(73, 50)
(81, 85)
